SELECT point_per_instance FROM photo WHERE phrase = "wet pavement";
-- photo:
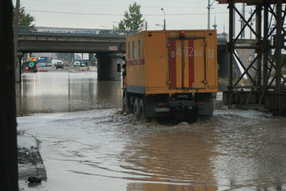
(102, 149)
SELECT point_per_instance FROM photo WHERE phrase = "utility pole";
(242, 22)
(164, 19)
(209, 14)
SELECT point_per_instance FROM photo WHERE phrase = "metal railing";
(60, 31)
(30, 30)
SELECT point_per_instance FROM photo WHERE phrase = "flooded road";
(101, 149)
(61, 91)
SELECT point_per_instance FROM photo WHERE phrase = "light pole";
(164, 19)
(209, 12)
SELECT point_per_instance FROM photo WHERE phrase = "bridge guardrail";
(30, 30)
(57, 31)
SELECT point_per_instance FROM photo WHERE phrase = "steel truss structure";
(261, 82)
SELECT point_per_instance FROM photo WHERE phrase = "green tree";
(132, 20)
(24, 18)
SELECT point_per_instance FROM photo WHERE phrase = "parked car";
(41, 64)
(55, 61)
(76, 63)
(79, 64)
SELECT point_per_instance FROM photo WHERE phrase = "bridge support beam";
(261, 77)
(18, 81)
(8, 131)
(107, 66)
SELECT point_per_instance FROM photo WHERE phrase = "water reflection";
(67, 92)
(169, 187)
(178, 157)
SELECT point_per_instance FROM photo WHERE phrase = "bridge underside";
(85, 44)
(109, 50)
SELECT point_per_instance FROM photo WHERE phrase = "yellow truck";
(170, 73)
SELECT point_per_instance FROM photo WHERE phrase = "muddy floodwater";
(87, 143)
(61, 91)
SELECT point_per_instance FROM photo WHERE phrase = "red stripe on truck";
(173, 63)
(191, 63)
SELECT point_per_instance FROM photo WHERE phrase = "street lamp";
(164, 19)
(209, 12)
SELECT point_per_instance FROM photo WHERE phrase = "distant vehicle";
(79, 64)
(41, 64)
(76, 63)
(55, 61)
(59, 65)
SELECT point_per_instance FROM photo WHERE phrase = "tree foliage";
(24, 18)
(132, 20)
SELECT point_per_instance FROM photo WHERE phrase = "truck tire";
(141, 110)
(136, 109)
(126, 105)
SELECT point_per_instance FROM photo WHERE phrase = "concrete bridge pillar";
(18, 71)
(8, 130)
(107, 66)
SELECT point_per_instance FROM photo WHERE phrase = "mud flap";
(205, 105)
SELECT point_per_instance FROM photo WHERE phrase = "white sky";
(180, 14)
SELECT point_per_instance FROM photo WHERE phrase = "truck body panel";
(160, 62)
(170, 73)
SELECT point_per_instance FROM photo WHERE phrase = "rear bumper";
(176, 105)
(181, 103)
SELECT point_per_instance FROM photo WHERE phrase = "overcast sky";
(180, 14)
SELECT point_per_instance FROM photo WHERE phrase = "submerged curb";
(30, 163)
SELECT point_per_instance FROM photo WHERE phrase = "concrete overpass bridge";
(49, 39)
(108, 44)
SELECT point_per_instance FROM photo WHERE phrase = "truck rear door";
(187, 63)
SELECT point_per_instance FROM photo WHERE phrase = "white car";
(55, 61)
(76, 63)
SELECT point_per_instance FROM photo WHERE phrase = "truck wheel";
(136, 109)
(126, 106)
(141, 110)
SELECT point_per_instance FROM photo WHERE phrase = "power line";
(56, 2)
(75, 13)
(111, 14)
